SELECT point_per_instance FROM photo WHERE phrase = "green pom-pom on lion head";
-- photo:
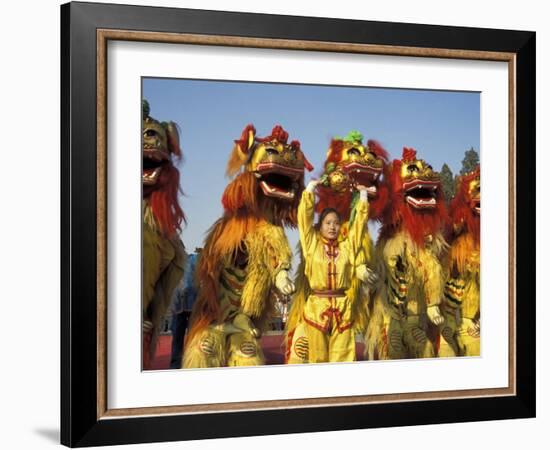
(354, 136)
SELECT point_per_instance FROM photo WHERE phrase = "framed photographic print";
(298, 245)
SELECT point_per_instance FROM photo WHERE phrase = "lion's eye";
(354, 151)
(150, 133)
(412, 168)
(271, 151)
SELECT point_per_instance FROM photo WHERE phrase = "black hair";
(324, 213)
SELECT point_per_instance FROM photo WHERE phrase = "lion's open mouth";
(153, 160)
(366, 175)
(476, 205)
(277, 180)
(421, 194)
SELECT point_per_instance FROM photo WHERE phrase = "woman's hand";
(312, 185)
(363, 193)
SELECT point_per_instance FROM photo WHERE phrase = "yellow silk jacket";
(330, 266)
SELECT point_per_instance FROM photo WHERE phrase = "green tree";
(448, 183)
(145, 108)
(470, 161)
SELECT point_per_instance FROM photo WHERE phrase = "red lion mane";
(164, 201)
(462, 217)
(164, 194)
(399, 215)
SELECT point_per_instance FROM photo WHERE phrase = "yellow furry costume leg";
(420, 346)
(458, 337)
(407, 338)
(449, 345)
(207, 350)
(244, 350)
(376, 342)
(416, 339)
(468, 339)
(396, 341)
(299, 347)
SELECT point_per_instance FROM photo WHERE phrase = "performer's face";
(330, 226)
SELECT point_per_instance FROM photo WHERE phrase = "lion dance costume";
(246, 253)
(460, 331)
(163, 251)
(348, 162)
(411, 245)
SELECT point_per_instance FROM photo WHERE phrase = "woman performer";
(330, 265)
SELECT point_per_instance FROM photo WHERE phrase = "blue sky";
(440, 125)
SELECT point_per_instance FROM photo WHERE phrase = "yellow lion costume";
(411, 245)
(163, 251)
(461, 330)
(246, 253)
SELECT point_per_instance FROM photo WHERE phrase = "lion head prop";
(350, 162)
(160, 178)
(268, 176)
(416, 198)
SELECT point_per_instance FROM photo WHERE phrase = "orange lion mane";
(224, 239)
(398, 215)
